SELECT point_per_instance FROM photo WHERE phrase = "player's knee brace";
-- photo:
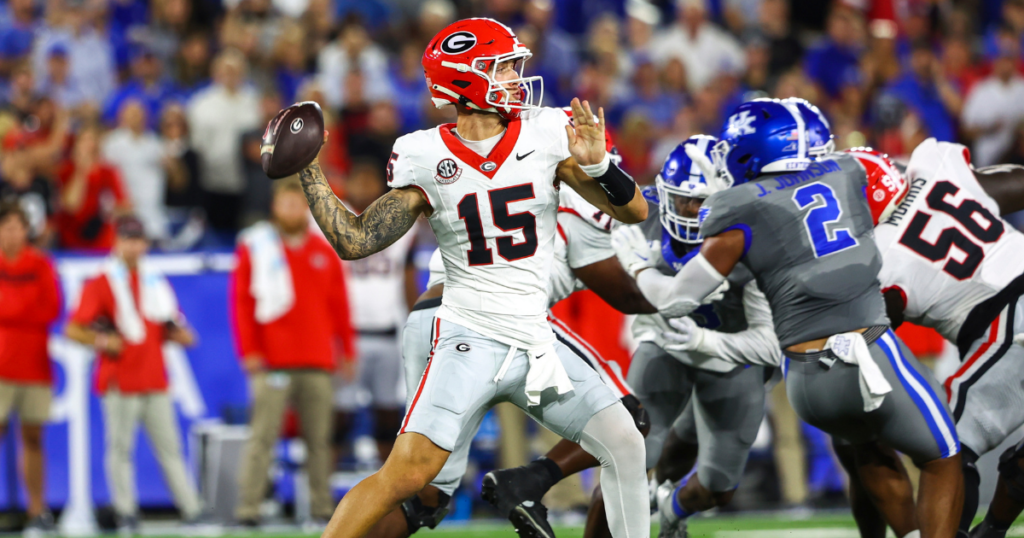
(419, 515)
(1011, 473)
(640, 416)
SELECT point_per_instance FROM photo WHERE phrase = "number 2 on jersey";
(816, 220)
(952, 237)
(469, 212)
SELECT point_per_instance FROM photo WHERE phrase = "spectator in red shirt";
(90, 194)
(127, 313)
(29, 302)
(291, 320)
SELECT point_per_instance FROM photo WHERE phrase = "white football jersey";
(945, 247)
(581, 241)
(495, 221)
(376, 287)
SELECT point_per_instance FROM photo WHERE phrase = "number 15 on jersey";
(469, 212)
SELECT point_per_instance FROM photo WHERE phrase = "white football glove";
(635, 253)
(686, 337)
(1019, 339)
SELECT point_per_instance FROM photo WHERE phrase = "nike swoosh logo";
(521, 157)
(542, 354)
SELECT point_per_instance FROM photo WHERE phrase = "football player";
(728, 399)
(583, 259)
(805, 231)
(494, 218)
(951, 263)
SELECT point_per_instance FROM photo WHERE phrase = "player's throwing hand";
(586, 134)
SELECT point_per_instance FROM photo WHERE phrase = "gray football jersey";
(725, 315)
(810, 245)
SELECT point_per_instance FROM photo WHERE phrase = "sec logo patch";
(447, 172)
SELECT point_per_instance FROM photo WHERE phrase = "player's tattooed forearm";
(354, 237)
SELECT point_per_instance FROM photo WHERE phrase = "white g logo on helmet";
(458, 43)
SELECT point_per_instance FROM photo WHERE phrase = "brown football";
(292, 139)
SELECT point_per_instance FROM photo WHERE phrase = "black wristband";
(617, 185)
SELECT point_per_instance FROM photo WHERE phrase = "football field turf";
(727, 526)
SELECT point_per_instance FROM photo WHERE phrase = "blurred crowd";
(157, 107)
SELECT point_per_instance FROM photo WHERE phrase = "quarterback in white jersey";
(582, 255)
(951, 263)
(488, 186)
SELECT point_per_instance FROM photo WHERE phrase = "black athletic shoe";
(513, 493)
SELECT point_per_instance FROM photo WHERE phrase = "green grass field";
(727, 526)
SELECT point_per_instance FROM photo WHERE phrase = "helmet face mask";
(499, 94)
(673, 201)
(683, 185)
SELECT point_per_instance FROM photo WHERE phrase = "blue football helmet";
(819, 133)
(685, 175)
(761, 136)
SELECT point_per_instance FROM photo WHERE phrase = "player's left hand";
(687, 336)
(586, 134)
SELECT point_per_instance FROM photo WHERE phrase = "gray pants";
(122, 414)
(912, 419)
(985, 392)
(417, 338)
(727, 411)
(378, 374)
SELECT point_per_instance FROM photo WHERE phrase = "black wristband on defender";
(617, 184)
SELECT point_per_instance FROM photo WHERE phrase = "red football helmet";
(886, 185)
(461, 63)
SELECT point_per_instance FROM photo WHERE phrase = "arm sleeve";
(677, 296)
(585, 244)
(757, 344)
(243, 306)
(343, 318)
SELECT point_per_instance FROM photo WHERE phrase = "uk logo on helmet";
(458, 43)
(741, 123)
(447, 172)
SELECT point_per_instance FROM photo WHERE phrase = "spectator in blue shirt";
(410, 90)
(833, 63)
(56, 82)
(73, 23)
(647, 98)
(928, 94)
(148, 85)
(17, 34)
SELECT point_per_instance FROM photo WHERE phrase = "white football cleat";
(672, 526)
